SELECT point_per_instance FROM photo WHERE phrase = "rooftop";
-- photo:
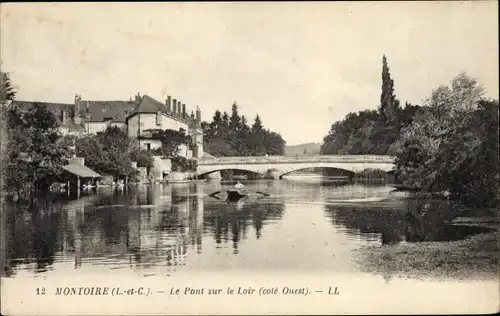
(101, 111)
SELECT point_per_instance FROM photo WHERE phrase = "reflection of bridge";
(278, 166)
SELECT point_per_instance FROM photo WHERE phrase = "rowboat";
(236, 194)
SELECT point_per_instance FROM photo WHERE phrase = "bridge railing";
(283, 159)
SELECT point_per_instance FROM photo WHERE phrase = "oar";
(263, 193)
(215, 193)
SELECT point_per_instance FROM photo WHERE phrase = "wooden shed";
(78, 172)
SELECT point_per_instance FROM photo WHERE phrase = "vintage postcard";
(249, 158)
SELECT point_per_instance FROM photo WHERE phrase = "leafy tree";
(117, 148)
(144, 158)
(110, 152)
(171, 140)
(7, 92)
(219, 147)
(93, 151)
(181, 164)
(35, 149)
(447, 142)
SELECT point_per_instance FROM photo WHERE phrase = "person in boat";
(239, 186)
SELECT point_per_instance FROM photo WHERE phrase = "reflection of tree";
(419, 220)
(33, 233)
(124, 228)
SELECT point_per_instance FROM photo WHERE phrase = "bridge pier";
(272, 174)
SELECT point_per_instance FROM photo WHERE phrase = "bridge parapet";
(304, 159)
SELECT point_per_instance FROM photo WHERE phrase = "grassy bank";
(476, 257)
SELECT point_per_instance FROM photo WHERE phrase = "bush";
(181, 164)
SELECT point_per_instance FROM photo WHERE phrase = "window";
(148, 146)
(158, 118)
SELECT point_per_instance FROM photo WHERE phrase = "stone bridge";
(280, 165)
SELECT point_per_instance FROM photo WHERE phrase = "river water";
(302, 228)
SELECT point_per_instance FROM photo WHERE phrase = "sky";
(300, 66)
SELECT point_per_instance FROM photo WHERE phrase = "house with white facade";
(136, 116)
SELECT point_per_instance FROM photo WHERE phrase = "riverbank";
(475, 257)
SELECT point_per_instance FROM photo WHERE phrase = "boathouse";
(78, 175)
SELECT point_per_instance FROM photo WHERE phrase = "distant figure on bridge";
(239, 186)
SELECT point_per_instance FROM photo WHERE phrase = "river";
(301, 230)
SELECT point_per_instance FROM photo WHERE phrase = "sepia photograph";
(243, 158)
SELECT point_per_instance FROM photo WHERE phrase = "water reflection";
(140, 228)
(417, 220)
(159, 230)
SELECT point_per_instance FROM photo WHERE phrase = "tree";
(111, 152)
(215, 125)
(244, 123)
(388, 103)
(225, 120)
(7, 92)
(442, 147)
(143, 157)
(257, 125)
(93, 152)
(353, 135)
(230, 136)
(235, 120)
(171, 140)
(35, 150)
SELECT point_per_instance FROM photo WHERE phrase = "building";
(135, 116)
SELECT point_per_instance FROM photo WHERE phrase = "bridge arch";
(343, 170)
(206, 173)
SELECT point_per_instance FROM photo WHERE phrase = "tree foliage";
(448, 144)
(112, 152)
(371, 131)
(171, 141)
(7, 94)
(7, 91)
(36, 150)
(230, 135)
(388, 102)
(453, 144)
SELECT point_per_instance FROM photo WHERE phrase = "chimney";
(183, 110)
(77, 109)
(192, 114)
(77, 103)
(168, 102)
(179, 108)
(198, 114)
(174, 106)
(138, 97)
(63, 117)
